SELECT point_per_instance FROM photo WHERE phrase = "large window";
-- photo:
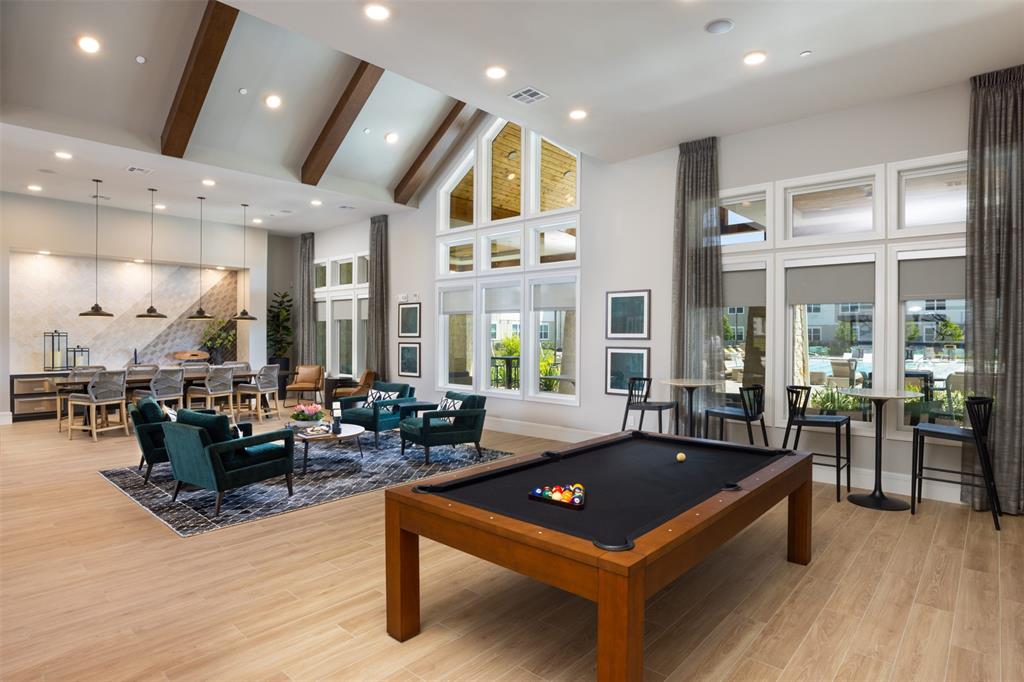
(744, 329)
(341, 272)
(554, 243)
(557, 177)
(933, 338)
(456, 308)
(554, 306)
(319, 275)
(341, 334)
(460, 202)
(507, 172)
(744, 219)
(320, 330)
(362, 333)
(839, 354)
(928, 196)
(502, 305)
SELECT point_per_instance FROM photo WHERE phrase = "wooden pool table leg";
(402, 558)
(799, 544)
(620, 626)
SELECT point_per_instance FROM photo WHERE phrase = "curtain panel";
(697, 272)
(377, 350)
(305, 306)
(995, 277)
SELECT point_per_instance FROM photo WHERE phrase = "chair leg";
(848, 455)
(403, 447)
(92, 422)
(71, 419)
(764, 434)
(721, 429)
(149, 470)
(625, 418)
(990, 486)
(706, 430)
(142, 460)
(177, 489)
(913, 473)
(259, 408)
(277, 406)
(785, 437)
(643, 413)
(479, 452)
(216, 507)
(750, 431)
(659, 421)
(124, 417)
(426, 454)
(796, 438)
(839, 467)
(288, 481)
(59, 420)
(920, 471)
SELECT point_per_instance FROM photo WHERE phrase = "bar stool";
(167, 385)
(637, 401)
(798, 397)
(219, 383)
(104, 389)
(979, 411)
(83, 374)
(263, 385)
(751, 410)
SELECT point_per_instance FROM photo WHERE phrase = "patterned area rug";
(335, 471)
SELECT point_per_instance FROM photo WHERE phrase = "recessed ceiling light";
(209, 183)
(43, 253)
(377, 12)
(577, 114)
(138, 260)
(315, 202)
(64, 156)
(273, 101)
(88, 44)
(220, 267)
(718, 26)
(243, 91)
(512, 155)
(35, 188)
(139, 59)
(391, 138)
(496, 72)
(159, 207)
(257, 221)
(511, 176)
(754, 58)
(366, 131)
(567, 174)
(805, 53)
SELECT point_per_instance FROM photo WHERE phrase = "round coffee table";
(348, 432)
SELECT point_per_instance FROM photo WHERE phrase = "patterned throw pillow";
(171, 414)
(374, 395)
(448, 404)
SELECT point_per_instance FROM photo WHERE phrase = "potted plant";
(279, 335)
(308, 414)
(218, 339)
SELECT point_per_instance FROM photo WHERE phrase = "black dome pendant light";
(97, 310)
(200, 314)
(244, 315)
(151, 312)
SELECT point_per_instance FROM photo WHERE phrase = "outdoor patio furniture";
(845, 374)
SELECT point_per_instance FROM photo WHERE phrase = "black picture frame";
(621, 378)
(413, 314)
(616, 327)
(409, 350)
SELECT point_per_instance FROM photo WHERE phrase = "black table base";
(876, 499)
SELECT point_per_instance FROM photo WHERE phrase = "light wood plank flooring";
(94, 588)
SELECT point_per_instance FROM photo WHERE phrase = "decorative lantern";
(78, 356)
(55, 345)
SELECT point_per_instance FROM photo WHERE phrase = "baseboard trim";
(6, 418)
(896, 483)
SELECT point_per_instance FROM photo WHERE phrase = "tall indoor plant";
(279, 334)
(219, 339)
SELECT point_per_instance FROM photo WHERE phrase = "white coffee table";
(348, 432)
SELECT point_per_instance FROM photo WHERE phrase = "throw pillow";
(218, 426)
(448, 404)
(374, 395)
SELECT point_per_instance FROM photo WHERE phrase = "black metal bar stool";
(798, 397)
(637, 400)
(752, 410)
(979, 411)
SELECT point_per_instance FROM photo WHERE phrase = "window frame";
(894, 171)
(746, 262)
(441, 331)
(740, 193)
(486, 235)
(483, 212)
(443, 206)
(784, 189)
(535, 189)
(482, 359)
(443, 246)
(536, 226)
(530, 352)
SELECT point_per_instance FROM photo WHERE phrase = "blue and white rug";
(335, 471)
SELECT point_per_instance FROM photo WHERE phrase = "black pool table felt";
(632, 486)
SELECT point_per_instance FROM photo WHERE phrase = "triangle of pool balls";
(566, 495)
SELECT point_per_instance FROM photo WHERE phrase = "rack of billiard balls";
(572, 496)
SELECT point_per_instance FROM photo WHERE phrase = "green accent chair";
(204, 452)
(147, 417)
(434, 428)
(382, 415)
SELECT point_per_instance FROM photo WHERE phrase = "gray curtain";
(377, 343)
(995, 276)
(697, 272)
(305, 306)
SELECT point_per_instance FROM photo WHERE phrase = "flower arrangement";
(308, 413)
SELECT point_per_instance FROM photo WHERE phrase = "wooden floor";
(94, 588)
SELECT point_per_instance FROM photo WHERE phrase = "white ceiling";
(648, 73)
(283, 205)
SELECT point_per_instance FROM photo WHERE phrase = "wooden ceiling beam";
(207, 49)
(352, 100)
(436, 147)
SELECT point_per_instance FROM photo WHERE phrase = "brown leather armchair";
(308, 379)
(364, 386)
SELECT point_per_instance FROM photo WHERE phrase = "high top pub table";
(876, 499)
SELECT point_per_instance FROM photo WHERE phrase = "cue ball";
(680, 456)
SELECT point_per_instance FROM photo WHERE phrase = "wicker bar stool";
(167, 385)
(82, 374)
(219, 383)
(263, 385)
(105, 389)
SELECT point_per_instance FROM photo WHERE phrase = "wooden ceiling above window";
(506, 172)
(460, 207)
(557, 177)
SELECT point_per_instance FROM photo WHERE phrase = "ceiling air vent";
(139, 170)
(528, 95)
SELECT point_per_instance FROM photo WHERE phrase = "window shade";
(456, 301)
(341, 310)
(743, 288)
(554, 296)
(502, 299)
(321, 311)
(933, 278)
(845, 283)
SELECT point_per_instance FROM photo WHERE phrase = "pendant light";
(200, 314)
(244, 315)
(97, 310)
(151, 312)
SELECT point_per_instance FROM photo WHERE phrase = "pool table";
(647, 519)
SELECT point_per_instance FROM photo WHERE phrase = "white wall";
(626, 241)
(31, 224)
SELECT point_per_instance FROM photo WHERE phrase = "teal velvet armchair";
(204, 452)
(447, 427)
(382, 415)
